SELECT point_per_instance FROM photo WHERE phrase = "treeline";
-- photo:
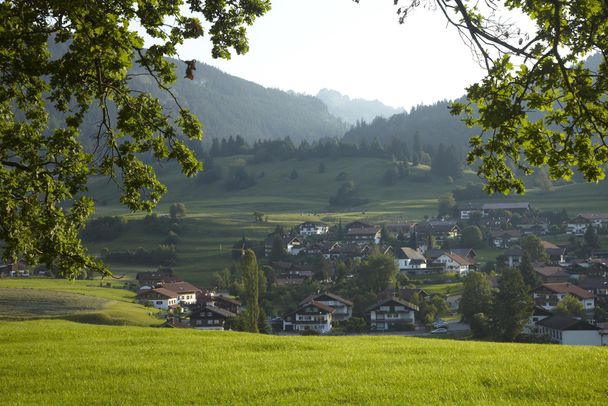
(445, 160)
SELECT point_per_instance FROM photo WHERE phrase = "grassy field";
(82, 301)
(58, 362)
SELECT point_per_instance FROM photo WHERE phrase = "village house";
(597, 220)
(343, 307)
(367, 235)
(597, 286)
(403, 230)
(292, 244)
(289, 274)
(408, 259)
(455, 263)
(571, 331)
(391, 314)
(311, 316)
(221, 301)
(551, 274)
(467, 209)
(521, 208)
(159, 298)
(156, 278)
(539, 313)
(538, 227)
(440, 229)
(433, 254)
(555, 253)
(595, 267)
(577, 226)
(548, 295)
(186, 292)
(209, 317)
(309, 228)
(505, 238)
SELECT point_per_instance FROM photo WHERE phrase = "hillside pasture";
(81, 301)
(58, 362)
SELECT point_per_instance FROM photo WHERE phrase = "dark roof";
(357, 224)
(463, 252)
(541, 311)
(564, 323)
(319, 296)
(214, 309)
(373, 230)
(593, 283)
(436, 226)
(594, 216)
(181, 287)
(318, 305)
(565, 287)
(160, 291)
(506, 206)
(467, 206)
(393, 300)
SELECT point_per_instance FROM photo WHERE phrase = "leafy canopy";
(45, 169)
(539, 104)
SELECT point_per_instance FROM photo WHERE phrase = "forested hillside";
(434, 124)
(229, 106)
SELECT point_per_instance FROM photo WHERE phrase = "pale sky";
(357, 49)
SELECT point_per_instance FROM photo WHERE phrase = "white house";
(309, 228)
(389, 313)
(409, 259)
(186, 292)
(571, 331)
(312, 316)
(548, 295)
(159, 298)
(343, 307)
(455, 263)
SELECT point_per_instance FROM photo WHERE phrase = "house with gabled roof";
(440, 229)
(548, 295)
(390, 314)
(571, 331)
(343, 307)
(309, 228)
(455, 263)
(311, 316)
(159, 298)
(505, 238)
(551, 274)
(408, 259)
(371, 235)
(209, 317)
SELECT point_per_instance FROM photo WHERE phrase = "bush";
(402, 326)
(310, 333)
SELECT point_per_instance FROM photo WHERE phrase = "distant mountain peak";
(351, 110)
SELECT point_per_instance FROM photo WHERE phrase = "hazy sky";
(358, 49)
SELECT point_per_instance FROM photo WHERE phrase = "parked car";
(440, 324)
(441, 330)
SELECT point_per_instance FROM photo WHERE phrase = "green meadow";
(60, 362)
(91, 301)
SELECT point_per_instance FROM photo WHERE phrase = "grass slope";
(57, 362)
(82, 301)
